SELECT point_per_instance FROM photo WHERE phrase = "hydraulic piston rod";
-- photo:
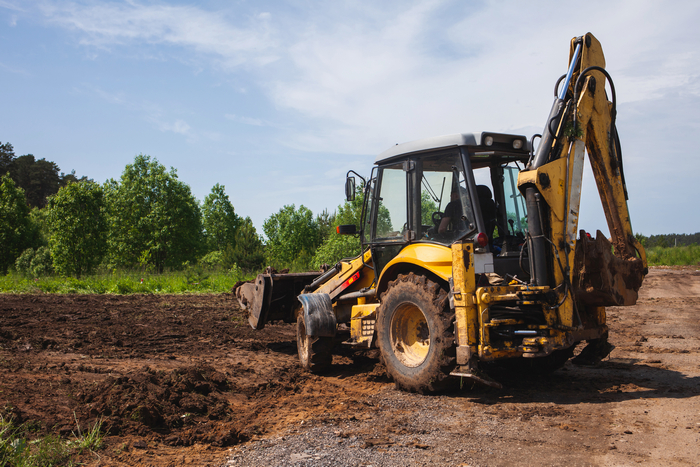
(533, 201)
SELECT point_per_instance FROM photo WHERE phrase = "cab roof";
(501, 143)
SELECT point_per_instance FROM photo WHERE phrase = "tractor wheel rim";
(410, 335)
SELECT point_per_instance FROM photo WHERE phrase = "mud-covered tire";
(315, 353)
(415, 333)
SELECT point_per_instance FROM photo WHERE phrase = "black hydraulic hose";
(614, 141)
(520, 257)
(356, 295)
(556, 86)
(568, 287)
(543, 150)
(618, 150)
(554, 122)
(613, 112)
(532, 147)
(323, 278)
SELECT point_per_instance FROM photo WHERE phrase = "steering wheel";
(436, 217)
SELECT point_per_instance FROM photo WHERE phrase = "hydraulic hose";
(614, 139)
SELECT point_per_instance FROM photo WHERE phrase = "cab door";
(391, 227)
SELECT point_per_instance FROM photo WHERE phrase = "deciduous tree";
(14, 222)
(336, 247)
(77, 228)
(38, 178)
(153, 218)
(292, 237)
(219, 219)
(7, 156)
(248, 252)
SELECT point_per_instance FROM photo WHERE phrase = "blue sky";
(276, 100)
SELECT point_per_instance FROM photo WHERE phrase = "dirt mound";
(183, 406)
(161, 371)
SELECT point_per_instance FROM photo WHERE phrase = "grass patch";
(674, 256)
(195, 279)
(91, 440)
(19, 447)
(187, 281)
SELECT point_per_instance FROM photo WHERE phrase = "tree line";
(669, 240)
(148, 219)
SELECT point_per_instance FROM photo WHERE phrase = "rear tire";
(415, 333)
(314, 352)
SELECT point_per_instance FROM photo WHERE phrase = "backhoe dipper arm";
(582, 118)
(595, 117)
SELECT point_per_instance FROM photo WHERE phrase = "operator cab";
(450, 188)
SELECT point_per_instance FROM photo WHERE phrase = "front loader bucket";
(272, 296)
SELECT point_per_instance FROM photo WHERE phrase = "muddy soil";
(184, 380)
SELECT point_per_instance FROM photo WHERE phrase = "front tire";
(315, 353)
(415, 333)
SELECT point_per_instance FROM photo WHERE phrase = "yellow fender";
(428, 256)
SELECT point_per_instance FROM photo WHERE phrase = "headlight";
(517, 144)
(488, 141)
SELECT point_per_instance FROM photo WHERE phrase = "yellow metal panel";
(360, 311)
(347, 269)
(553, 191)
(435, 258)
(466, 320)
(362, 323)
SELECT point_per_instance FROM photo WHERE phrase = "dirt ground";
(184, 380)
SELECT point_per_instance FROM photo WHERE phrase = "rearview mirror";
(346, 229)
(350, 189)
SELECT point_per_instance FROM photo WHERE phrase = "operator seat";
(488, 210)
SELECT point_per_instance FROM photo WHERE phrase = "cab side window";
(392, 212)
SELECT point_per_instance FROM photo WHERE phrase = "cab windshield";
(445, 207)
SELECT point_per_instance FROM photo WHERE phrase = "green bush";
(41, 264)
(335, 248)
(212, 260)
(248, 252)
(24, 262)
(674, 256)
(35, 263)
(15, 223)
(196, 276)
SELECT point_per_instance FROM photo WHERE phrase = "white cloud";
(362, 77)
(366, 90)
(10, 6)
(245, 120)
(151, 112)
(178, 126)
(212, 33)
(13, 69)
(356, 77)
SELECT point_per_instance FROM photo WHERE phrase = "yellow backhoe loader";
(470, 249)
